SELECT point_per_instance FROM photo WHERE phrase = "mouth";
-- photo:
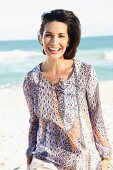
(54, 50)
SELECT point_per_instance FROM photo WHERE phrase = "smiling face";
(55, 39)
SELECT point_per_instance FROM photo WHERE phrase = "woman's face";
(55, 39)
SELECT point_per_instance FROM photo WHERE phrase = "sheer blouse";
(66, 123)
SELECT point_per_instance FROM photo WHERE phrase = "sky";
(20, 19)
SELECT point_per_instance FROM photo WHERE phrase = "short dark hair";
(73, 24)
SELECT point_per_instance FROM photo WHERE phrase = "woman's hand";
(29, 160)
(105, 163)
(28, 167)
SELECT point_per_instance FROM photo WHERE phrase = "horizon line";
(31, 39)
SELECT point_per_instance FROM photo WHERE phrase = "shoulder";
(79, 64)
(84, 67)
(85, 71)
(33, 75)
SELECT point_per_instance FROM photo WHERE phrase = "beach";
(14, 124)
(19, 57)
(14, 118)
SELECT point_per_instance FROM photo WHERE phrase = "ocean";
(19, 56)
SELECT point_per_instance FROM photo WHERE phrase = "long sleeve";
(95, 111)
(28, 88)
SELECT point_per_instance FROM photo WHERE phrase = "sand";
(14, 124)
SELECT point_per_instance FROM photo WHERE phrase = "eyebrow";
(48, 32)
(52, 33)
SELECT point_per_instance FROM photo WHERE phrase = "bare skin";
(106, 163)
(62, 71)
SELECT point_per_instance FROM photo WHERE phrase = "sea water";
(20, 56)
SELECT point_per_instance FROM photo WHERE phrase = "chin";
(54, 56)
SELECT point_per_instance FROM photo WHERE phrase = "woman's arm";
(28, 88)
(95, 111)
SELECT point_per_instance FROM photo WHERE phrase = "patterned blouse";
(66, 123)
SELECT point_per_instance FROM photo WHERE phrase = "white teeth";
(54, 49)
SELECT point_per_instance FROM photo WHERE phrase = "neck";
(57, 66)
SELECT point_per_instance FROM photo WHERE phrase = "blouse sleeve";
(95, 111)
(28, 88)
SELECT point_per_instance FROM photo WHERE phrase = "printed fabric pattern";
(66, 123)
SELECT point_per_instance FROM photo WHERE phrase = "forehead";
(56, 26)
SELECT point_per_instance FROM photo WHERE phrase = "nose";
(54, 40)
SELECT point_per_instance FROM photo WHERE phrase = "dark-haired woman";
(67, 130)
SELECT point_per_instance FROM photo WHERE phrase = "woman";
(67, 130)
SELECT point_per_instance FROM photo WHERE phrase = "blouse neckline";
(60, 80)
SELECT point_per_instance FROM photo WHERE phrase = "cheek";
(46, 41)
(68, 43)
(65, 43)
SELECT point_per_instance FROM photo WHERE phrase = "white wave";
(19, 53)
(109, 55)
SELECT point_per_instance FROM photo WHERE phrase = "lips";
(54, 49)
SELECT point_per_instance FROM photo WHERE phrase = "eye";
(48, 35)
(62, 36)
